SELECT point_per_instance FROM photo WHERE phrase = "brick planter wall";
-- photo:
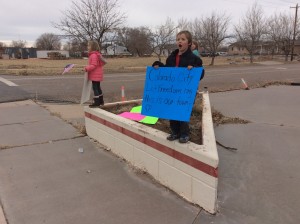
(190, 170)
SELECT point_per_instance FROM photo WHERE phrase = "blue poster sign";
(169, 92)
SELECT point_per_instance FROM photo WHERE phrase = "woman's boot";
(101, 101)
(96, 102)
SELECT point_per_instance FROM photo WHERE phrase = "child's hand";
(157, 64)
(189, 67)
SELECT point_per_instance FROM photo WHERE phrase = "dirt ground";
(195, 120)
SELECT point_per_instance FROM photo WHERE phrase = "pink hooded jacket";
(95, 67)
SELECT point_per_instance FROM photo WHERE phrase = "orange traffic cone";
(245, 84)
(123, 93)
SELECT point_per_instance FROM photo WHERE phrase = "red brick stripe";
(162, 148)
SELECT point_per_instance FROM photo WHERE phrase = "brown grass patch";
(40, 67)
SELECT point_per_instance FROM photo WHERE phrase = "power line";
(287, 1)
(268, 2)
(295, 25)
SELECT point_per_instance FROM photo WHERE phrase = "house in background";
(237, 49)
(263, 48)
(45, 53)
(166, 51)
(116, 50)
(297, 47)
(18, 53)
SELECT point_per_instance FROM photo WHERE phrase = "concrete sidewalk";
(45, 179)
(260, 182)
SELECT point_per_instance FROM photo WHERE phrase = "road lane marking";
(7, 82)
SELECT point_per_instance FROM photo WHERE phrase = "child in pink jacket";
(95, 72)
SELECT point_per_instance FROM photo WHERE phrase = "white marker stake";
(245, 84)
(123, 93)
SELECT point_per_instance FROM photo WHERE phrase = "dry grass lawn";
(35, 66)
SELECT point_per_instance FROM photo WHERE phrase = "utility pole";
(294, 36)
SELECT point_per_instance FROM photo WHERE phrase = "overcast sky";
(27, 20)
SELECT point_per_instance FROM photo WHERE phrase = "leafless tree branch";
(91, 19)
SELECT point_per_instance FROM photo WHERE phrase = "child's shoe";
(172, 137)
(184, 139)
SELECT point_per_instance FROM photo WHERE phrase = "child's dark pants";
(180, 128)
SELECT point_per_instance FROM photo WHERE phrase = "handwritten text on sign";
(169, 93)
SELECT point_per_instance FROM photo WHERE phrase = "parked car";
(204, 54)
(221, 53)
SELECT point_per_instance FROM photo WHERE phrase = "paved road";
(258, 183)
(68, 88)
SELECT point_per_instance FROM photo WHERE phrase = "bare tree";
(2, 45)
(18, 43)
(91, 19)
(123, 36)
(197, 30)
(163, 37)
(184, 24)
(251, 29)
(136, 40)
(75, 47)
(48, 41)
(211, 32)
(280, 31)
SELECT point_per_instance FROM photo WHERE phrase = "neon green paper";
(137, 109)
(147, 119)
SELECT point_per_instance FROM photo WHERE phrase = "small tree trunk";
(212, 60)
(251, 58)
(159, 58)
(286, 57)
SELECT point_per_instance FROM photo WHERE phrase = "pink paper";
(132, 116)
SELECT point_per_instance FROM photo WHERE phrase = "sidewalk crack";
(4, 147)
(194, 221)
(23, 123)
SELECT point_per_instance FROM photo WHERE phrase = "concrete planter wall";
(190, 170)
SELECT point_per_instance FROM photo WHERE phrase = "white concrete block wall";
(189, 169)
(99, 133)
(205, 178)
(124, 149)
(159, 155)
(175, 179)
(203, 194)
(146, 162)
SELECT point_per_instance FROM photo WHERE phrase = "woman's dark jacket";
(186, 59)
